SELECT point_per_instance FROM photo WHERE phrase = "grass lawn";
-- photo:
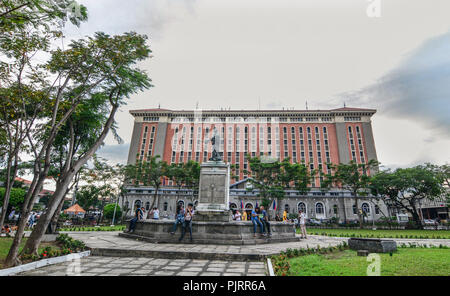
(93, 228)
(386, 233)
(5, 244)
(405, 262)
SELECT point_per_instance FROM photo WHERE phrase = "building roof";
(74, 209)
(344, 109)
(352, 109)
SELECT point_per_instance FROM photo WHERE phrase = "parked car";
(429, 222)
(314, 221)
(67, 223)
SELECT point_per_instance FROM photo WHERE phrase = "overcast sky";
(240, 54)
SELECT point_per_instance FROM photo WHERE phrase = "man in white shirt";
(301, 219)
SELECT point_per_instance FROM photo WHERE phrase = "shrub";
(108, 211)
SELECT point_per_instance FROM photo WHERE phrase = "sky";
(391, 55)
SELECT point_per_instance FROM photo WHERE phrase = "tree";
(108, 211)
(184, 175)
(16, 198)
(26, 29)
(149, 172)
(407, 188)
(271, 178)
(102, 73)
(353, 177)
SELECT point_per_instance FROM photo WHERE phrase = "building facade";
(315, 137)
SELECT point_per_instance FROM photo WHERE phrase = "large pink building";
(315, 137)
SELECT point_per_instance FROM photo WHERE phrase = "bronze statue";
(215, 155)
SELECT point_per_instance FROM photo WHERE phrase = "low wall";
(373, 245)
(223, 233)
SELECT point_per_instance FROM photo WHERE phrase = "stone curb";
(42, 263)
(270, 267)
(113, 252)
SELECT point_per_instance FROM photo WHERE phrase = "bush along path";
(366, 233)
(66, 244)
(93, 228)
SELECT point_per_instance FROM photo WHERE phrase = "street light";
(114, 215)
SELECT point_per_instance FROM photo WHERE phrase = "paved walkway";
(128, 266)
(111, 240)
(148, 266)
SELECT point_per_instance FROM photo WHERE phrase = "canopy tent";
(75, 210)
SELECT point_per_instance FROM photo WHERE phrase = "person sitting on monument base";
(188, 215)
(256, 221)
(264, 217)
(137, 216)
(179, 218)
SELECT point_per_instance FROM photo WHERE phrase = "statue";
(215, 142)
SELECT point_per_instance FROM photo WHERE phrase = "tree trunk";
(360, 216)
(9, 182)
(36, 185)
(55, 217)
(35, 238)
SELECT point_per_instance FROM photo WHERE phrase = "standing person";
(256, 221)
(142, 213)
(137, 217)
(285, 216)
(155, 213)
(301, 220)
(188, 215)
(265, 220)
(244, 215)
(31, 220)
(237, 216)
(179, 218)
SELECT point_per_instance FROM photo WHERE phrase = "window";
(233, 206)
(335, 209)
(354, 210)
(147, 206)
(301, 207)
(249, 206)
(287, 207)
(319, 208)
(137, 203)
(366, 208)
(377, 210)
(165, 206)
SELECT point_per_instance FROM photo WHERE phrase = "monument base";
(218, 233)
(212, 216)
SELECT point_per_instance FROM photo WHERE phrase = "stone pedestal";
(213, 195)
(372, 245)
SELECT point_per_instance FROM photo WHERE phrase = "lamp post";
(114, 215)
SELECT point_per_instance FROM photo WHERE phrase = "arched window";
(366, 208)
(319, 208)
(354, 210)
(147, 206)
(335, 209)
(377, 209)
(249, 206)
(287, 207)
(165, 205)
(137, 203)
(301, 207)
(233, 206)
